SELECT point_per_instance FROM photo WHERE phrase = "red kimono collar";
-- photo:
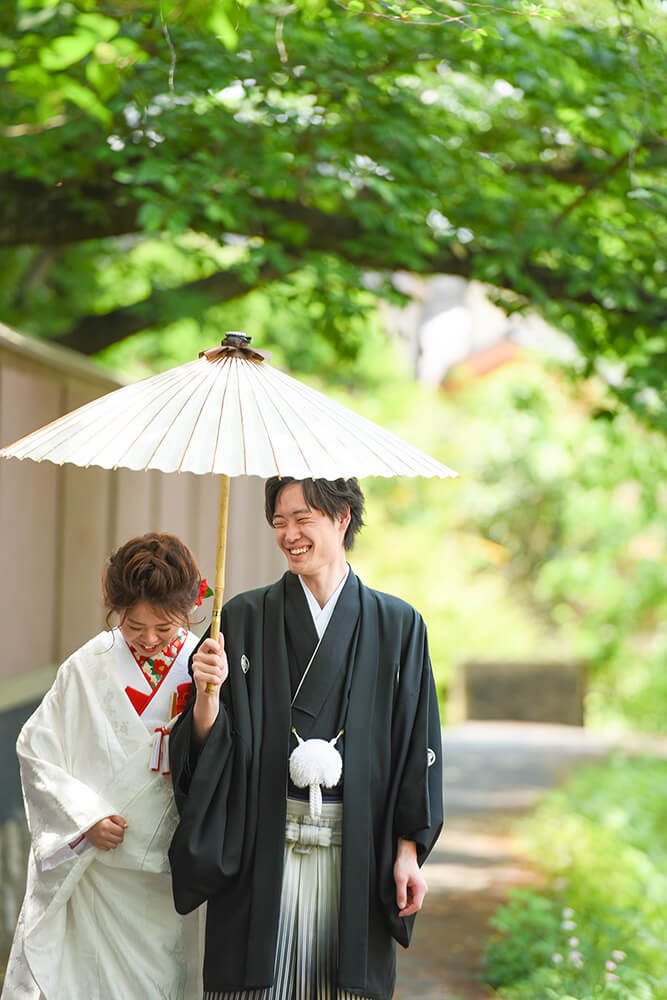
(156, 666)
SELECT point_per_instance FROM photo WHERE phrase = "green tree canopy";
(156, 162)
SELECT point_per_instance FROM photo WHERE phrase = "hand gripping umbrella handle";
(221, 551)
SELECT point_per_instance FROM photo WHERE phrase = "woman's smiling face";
(311, 540)
(148, 629)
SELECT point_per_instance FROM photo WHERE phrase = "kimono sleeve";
(414, 803)
(59, 807)
(211, 790)
(418, 812)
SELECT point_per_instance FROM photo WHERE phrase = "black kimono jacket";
(228, 847)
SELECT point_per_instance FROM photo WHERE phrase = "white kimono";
(101, 925)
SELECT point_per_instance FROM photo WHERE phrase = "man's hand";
(410, 883)
(209, 667)
(107, 833)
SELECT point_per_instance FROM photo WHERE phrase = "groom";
(314, 654)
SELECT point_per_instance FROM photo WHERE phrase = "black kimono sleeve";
(419, 806)
(415, 802)
(210, 788)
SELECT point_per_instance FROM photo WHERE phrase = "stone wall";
(508, 690)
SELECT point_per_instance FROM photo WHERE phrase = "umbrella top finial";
(236, 338)
(235, 344)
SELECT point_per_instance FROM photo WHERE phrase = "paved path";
(493, 773)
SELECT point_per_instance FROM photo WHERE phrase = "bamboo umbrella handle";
(220, 555)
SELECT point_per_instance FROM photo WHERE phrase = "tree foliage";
(157, 161)
(578, 507)
(551, 546)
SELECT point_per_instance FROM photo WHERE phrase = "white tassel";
(314, 763)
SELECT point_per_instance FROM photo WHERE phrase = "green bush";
(599, 928)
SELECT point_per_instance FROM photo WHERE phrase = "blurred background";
(452, 219)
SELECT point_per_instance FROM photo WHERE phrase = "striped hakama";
(307, 945)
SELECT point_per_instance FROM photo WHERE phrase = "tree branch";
(593, 183)
(32, 213)
(95, 332)
(576, 168)
(48, 217)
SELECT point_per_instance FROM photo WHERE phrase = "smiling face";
(311, 540)
(148, 629)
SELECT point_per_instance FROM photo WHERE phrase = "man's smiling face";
(311, 540)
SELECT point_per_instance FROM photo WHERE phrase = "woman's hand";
(209, 666)
(107, 833)
(209, 670)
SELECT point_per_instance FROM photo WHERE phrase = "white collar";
(322, 616)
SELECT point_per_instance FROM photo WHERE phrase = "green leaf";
(104, 78)
(151, 217)
(84, 98)
(222, 27)
(67, 50)
(104, 28)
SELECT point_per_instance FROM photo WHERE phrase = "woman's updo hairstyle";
(157, 568)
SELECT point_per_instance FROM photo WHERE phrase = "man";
(306, 902)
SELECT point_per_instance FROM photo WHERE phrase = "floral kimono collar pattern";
(155, 667)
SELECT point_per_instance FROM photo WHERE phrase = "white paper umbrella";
(228, 413)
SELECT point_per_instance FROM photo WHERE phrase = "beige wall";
(58, 524)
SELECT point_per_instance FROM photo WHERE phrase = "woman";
(98, 920)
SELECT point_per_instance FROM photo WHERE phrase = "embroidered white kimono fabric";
(100, 925)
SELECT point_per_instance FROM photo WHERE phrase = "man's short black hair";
(330, 496)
